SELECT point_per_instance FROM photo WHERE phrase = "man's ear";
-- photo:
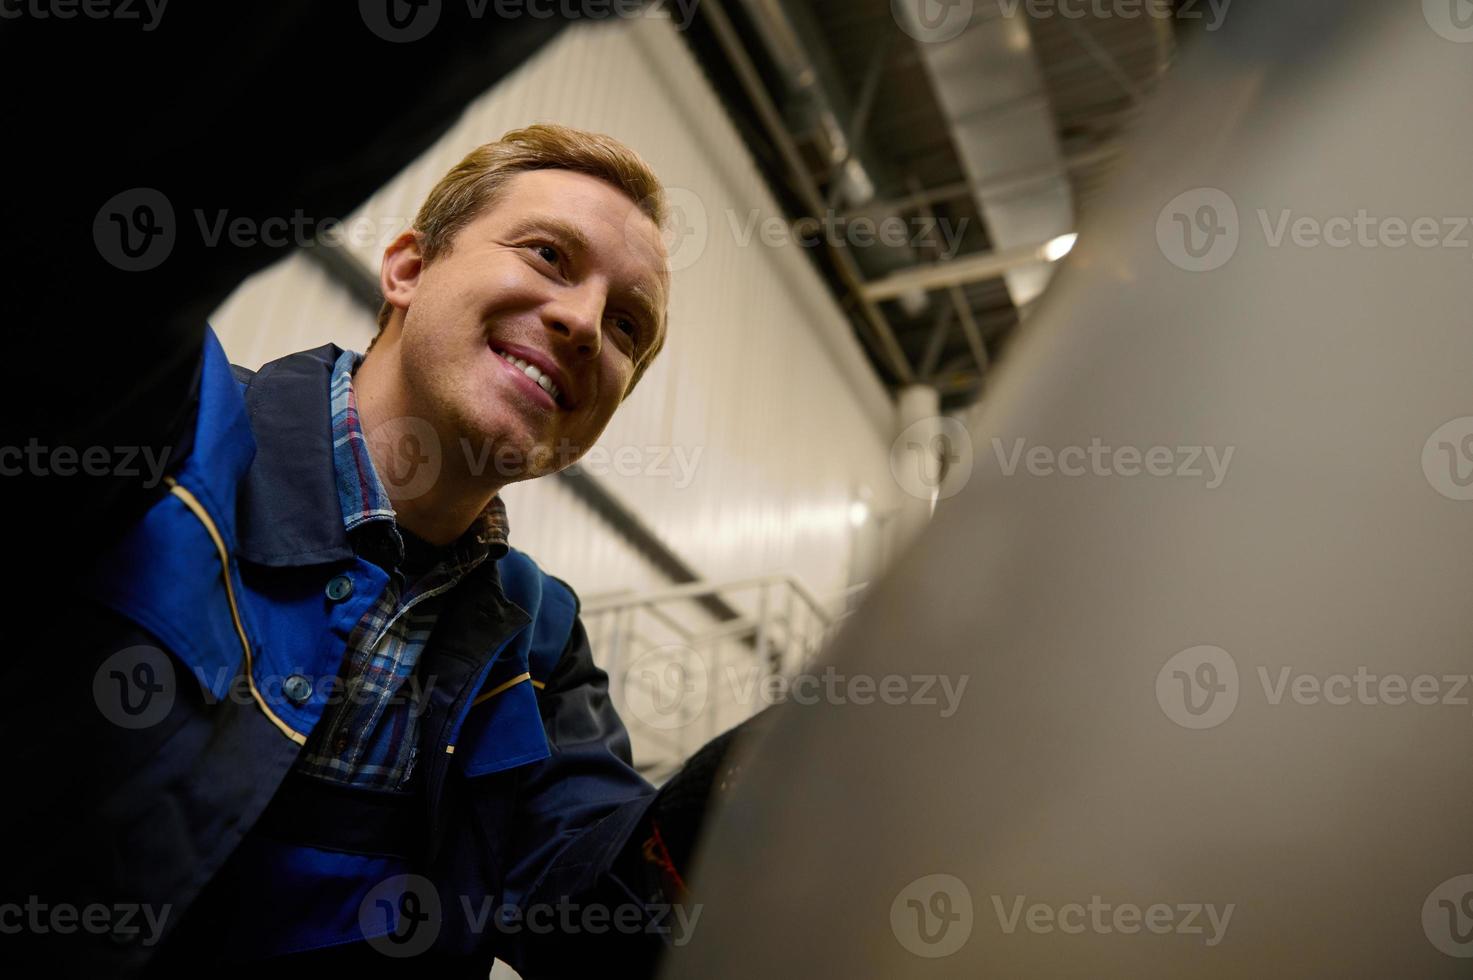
(398, 274)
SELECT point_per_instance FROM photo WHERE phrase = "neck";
(434, 495)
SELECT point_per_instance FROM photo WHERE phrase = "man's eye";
(627, 325)
(548, 253)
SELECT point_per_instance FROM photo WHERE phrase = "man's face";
(563, 273)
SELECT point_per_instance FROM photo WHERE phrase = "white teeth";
(531, 371)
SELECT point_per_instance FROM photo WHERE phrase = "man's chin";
(511, 460)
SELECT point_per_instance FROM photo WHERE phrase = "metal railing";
(680, 675)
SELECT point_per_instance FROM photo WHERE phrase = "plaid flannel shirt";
(369, 737)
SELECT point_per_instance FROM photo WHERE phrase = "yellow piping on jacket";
(198, 509)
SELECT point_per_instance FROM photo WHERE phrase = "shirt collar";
(289, 511)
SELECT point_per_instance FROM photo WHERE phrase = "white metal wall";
(760, 383)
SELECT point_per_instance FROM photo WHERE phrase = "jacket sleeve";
(577, 813)
(594, 838)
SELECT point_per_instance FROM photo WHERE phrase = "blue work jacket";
(194, 672)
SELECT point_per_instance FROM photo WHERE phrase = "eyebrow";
(639, 294)
(644, 298)
(561, 228)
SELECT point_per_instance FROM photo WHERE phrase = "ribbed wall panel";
(759, 373)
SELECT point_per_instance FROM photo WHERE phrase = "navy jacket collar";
(288, 513)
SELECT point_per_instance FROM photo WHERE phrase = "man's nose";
(577, 318)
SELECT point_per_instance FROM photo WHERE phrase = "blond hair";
(478, 182)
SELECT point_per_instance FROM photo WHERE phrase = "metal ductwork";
(820, 112)
(990, 90)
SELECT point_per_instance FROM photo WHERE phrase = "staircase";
(688, 662)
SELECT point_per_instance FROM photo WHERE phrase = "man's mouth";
(538, 378)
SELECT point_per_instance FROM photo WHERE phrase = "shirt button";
(340, 744)
(339, 588)
(297, 689)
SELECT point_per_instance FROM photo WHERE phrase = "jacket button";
(297, 689)
(339, 588)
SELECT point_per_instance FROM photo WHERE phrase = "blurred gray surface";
(1073, 771)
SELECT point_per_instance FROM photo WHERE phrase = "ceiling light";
(1060, 247)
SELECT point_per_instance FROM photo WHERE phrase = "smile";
(531, 371)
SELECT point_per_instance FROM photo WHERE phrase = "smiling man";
(343, 723)
(518, 314)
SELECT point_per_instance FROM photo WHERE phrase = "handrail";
(778, 634)
(691, 590)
